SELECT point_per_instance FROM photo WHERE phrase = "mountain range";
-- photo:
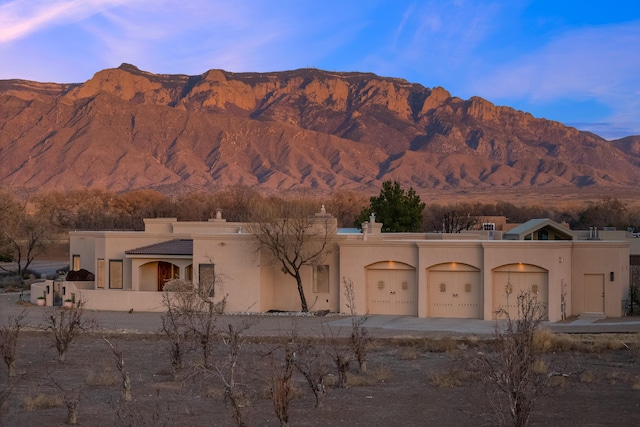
(305, 129)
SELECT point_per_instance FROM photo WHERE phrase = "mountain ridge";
(125, 129)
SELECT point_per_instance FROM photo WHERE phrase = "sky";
(576, 62)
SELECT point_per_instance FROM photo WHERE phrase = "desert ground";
(413, 377)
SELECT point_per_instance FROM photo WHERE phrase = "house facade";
(463, 275)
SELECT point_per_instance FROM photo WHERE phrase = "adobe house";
(461, 275)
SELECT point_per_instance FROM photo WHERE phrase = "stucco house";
(462, 275)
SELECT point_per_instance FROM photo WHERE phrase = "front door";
(166, 272)
(594, 293)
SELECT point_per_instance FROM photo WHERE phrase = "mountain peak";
(303, 129)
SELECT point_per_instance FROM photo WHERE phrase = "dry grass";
(558, 381)
(449, 379)
(540, 367)
(636, 384)
(374, 376)
(103, 377)
(587, 377)
(408, 353)
(42, 401)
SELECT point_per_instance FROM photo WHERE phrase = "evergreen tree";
(397, 210)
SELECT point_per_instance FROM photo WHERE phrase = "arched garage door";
(455, 290)
(510, 280)
(392, 289)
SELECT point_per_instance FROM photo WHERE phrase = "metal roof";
(534, 225)
(171, 247)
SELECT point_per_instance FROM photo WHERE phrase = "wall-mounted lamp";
(611, 276)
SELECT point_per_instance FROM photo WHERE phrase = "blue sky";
(577, 62)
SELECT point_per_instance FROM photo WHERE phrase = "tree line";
(29, 223)
(93, 209)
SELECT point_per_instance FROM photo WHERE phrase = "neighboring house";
(462, 275)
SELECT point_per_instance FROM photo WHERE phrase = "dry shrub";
(559, 381)
(297, 391)
(380, 374)
(408, 354)
(606, 343)
(587, 377)
(441, 345)
(544, 341)
(42, 401)
(105, 376)
(450, 379)
(359, 380)
(540, 367)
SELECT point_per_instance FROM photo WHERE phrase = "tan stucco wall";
(589, 257)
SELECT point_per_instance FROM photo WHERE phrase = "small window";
(76, 262)
(115, 274)
(207, 279)
(321, 279)
(100, 277)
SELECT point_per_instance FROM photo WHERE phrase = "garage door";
(455, 290)
(392, 291)
(510, 281)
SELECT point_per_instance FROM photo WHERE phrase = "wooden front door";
(166, 272)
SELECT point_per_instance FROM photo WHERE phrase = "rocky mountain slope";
(305, 129)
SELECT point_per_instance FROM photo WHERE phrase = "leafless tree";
(71, 401)
(126, 379)
(360, 339)
(281, 383)
(23, 236)
(64, 325)
(9, 341)
(509, 370)
(311, 360)
(177, 300)
(237, 393)
(339, 354)
(193, 311)
(293, 239)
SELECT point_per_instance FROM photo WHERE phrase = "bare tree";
(281, 384)
(193, 311)
(312, 362)
(339, 354)
(360, 339)
(237, 393)
(293, 238)
(64, 325)
(177, 299)
(71, 400)
(23, 236)
(9, 341)
(126, 379)
(509, 370)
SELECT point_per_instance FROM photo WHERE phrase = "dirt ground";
(412, 381)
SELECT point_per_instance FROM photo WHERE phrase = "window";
(115, 274)
(488, 226)
(321, 279)
(207, 279)
(76, 262)
(100, 277)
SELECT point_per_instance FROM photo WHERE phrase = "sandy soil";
(409, 382)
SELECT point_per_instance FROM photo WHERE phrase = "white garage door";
(510, 281)
(455, 290)
(392, 291)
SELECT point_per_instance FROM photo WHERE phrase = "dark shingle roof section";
(171, 247)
